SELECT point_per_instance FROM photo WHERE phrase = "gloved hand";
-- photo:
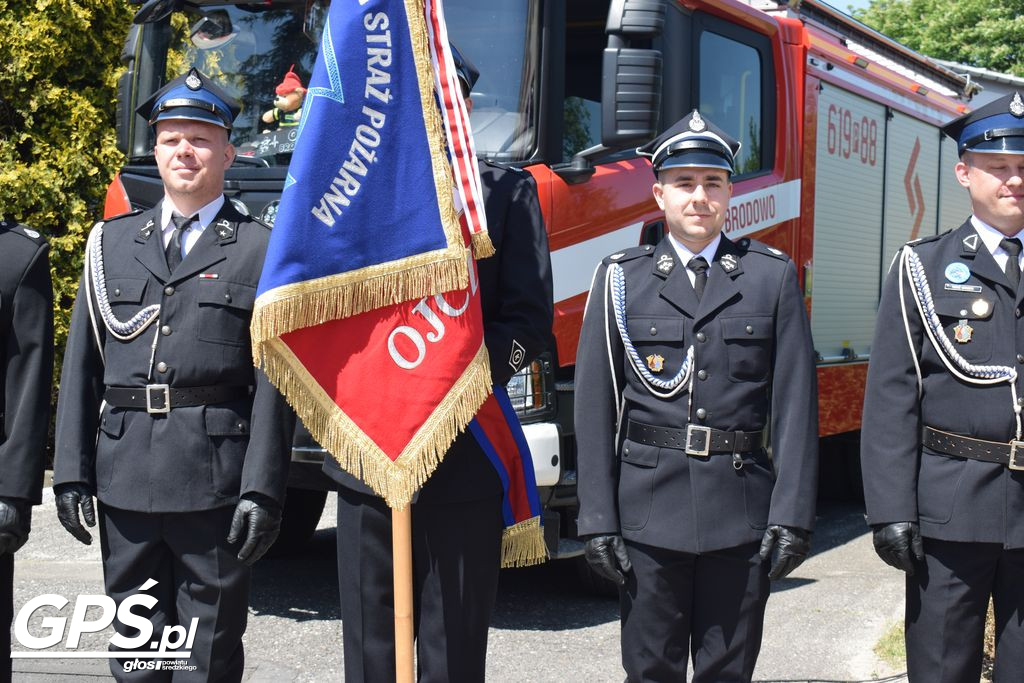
(69, 498)
(793, 545)
(257, 520)
(608, 557)
(15, 520)
(898, 544)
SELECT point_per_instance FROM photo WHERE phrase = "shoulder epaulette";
(750, 245)
(927, 238)
(28, 233)
(126, 214)
(629, 254)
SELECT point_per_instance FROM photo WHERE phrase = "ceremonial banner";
(368, 316)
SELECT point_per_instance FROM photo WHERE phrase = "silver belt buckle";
(703, 442)
(155, 390)
(1016, 447)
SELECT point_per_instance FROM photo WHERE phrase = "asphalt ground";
(821, 622)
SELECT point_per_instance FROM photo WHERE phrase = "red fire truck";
(842, 159)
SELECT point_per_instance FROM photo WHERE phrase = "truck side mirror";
(631, 76)
(630, 95)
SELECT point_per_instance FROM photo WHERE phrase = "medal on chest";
(962, 332)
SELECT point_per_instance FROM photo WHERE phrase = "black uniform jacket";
(752, 359)
(26, 360)
(193, 458)
(516, 299)
(954, 499)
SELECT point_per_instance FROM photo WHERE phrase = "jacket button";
(161, 367)
(241, 427)
(701, 413)
(168, 290)
(702, 374)
(165, 330)
(117, 292)
(625, 450)
(654, 330)
(701, 337)
(227, 297)
(1020, 358)
(1018, 312)
(750, 329)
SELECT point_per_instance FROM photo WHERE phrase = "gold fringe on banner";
(482, 246)
(432, 120)
(313, 302)
(522, 544)
(395, 481)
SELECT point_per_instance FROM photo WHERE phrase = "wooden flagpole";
(401, 547)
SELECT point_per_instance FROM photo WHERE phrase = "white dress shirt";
(685, 254)
(992, 237)
(191, 235)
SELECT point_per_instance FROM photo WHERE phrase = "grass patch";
(891, 647)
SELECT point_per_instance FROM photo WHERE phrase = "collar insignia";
(665, 264)
(971, 242)
(225, 230)
(147, 229)
(728, 262)
(1017, 106)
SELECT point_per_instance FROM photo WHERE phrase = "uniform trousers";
(709, 606)
(947, 600)
(456, 562)
(6, 613)
(198, 575)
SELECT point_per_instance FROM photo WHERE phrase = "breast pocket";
(225, 309)
(659, 344)
(748, 343)
(965, 321)
(125, 296)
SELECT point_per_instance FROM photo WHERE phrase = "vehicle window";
(730, 94)
(584, 42)
(249, 48)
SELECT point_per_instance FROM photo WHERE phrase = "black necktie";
(700, 268)
(173, 249)
(1012, 246)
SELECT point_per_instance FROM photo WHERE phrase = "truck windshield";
(250, 48)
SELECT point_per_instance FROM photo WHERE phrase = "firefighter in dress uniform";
(687, 351)
(161, 414)
(456, 517)
(942, 447)
(26, 370)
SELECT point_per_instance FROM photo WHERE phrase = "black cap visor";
(1006, 141)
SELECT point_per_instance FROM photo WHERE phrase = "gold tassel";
(522, 544)
(395, 481)
(482, 246)
(313, 302)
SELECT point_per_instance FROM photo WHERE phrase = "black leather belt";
(1010, 454)
(160, 398)
(694, 440)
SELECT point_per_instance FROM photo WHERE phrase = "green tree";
(982, 33)
(58, 72)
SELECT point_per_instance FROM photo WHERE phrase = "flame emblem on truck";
(912, 185)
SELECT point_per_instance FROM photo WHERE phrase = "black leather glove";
(69, 498)
(793, 545)
(15, 520)
(608, 557)
(257, 520)
(898, 544)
